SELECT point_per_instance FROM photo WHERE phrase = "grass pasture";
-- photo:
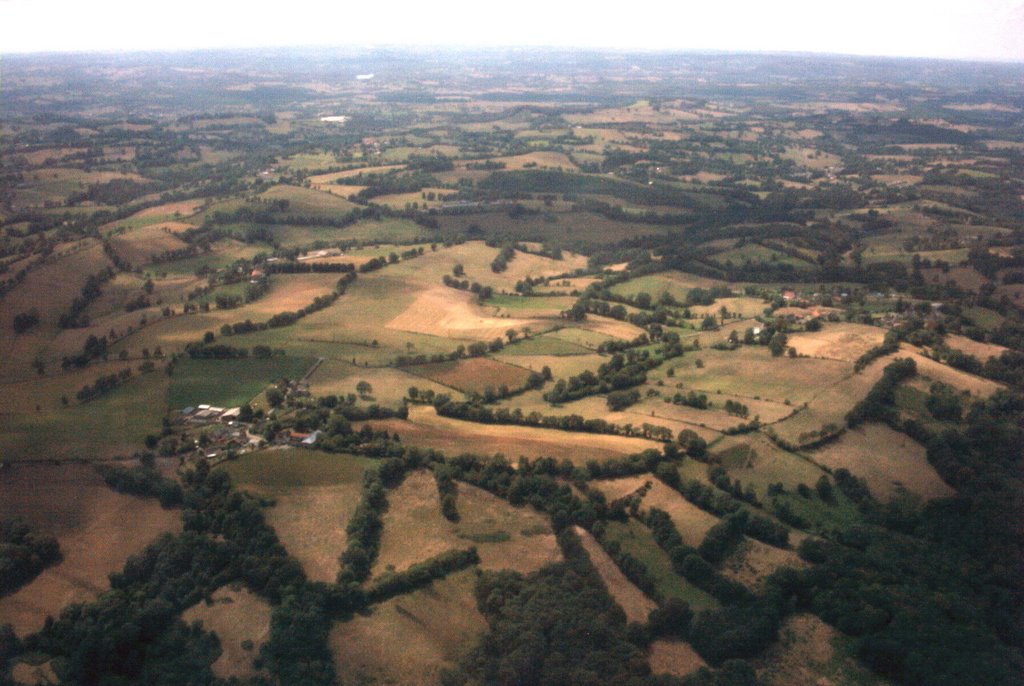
(631, 599)
(637, 540)
(753, 560)
(139, 246)
(830, 406)
(308, 202)
(533, 306)
(693, 523)
(743, 306)
(547, 345)
(676, 658)
(229, 383)
(888, 460)
(506, 537)
(113, 424)
(96, 527)
(751, 372)
(473, 375)
(585, 338)
(810, 651)
(315, 494)
(426, 429)
(756, 461)
(561, 366)
(236, 616)
(390, 385)
(412, 638)
(842, 341)
(676, 284)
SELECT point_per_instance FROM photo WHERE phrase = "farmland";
(97, 530)
(426, 429)
(541, 367)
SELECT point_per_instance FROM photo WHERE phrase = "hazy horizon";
(989, 30)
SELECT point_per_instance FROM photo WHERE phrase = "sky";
(958, 29)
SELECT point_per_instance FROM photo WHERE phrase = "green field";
(229, 383)
(281, 471)
(115, 423)
(636, 539)
(547, 344)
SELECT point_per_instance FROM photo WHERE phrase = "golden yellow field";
(442, 311)
(982, 351)
(314, 496)
(390, 385)
(841, 341)
(931, 370)
(693, 523)
(886, 459)
(506, 537)
(426, 429)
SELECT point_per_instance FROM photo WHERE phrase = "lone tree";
(511, 334)
(778, 344)
(364, 388)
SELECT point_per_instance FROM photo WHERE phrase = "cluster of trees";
(144, 480)
(103, 384)
(448, 492)
(889, 345)
(692, 399)
(23, 321)
(75, 316)
(500, 262)
(391, 584)
(878, 403)
(365, 527)
(295, 267)
(387, 184)
(23, 554)
(483, 292)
